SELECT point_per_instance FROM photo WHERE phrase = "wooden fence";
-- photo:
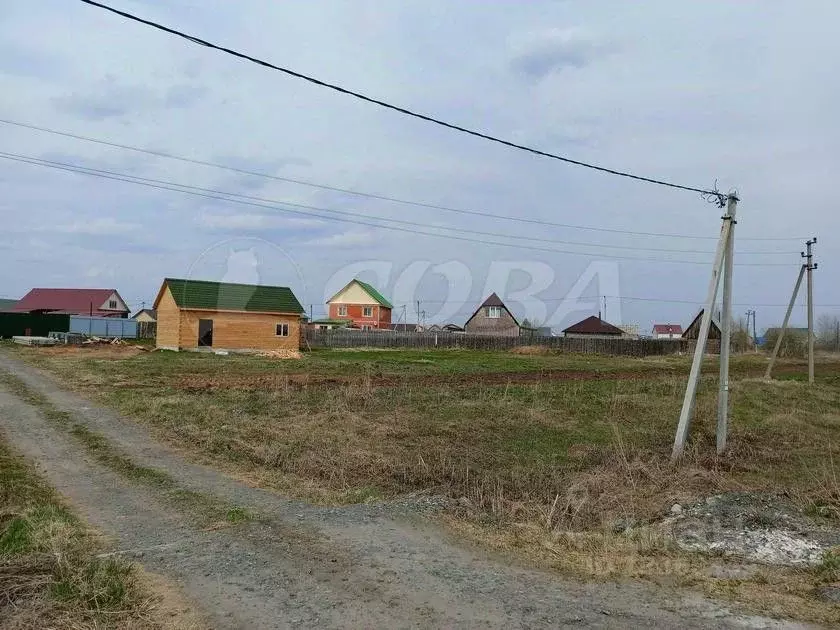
(431, 340)
(146, 330)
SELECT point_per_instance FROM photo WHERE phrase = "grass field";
(50, 574)
(541, 452)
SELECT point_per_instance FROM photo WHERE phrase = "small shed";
(221, 315)
(492, 318)
(145, 315)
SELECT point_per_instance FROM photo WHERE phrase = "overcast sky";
(740, 93)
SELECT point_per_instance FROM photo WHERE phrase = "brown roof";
(667, 329)
(492, 300)
(594, 325)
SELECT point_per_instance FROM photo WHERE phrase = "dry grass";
(50, 575)
(547, 467)
(531, 350)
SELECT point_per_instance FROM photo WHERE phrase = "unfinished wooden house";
(201, 314)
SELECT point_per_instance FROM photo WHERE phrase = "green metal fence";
(12, 324)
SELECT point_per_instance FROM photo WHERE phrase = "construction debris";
(26, 340)
(280, 354)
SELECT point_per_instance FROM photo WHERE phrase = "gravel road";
(298, 565)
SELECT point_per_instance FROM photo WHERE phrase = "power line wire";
(235, 198)
(713, 194)
(629, 298)
(369, 195)
(390, 220)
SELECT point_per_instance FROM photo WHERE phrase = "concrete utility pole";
(751, 313)
(726, 332)
(809, 256)
(687, 411)
(785, 322)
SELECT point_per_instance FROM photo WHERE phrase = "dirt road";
(304, 566)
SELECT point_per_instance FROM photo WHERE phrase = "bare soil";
(297, 565)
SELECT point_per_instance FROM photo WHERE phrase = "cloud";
(343, 239)
(109, 98)
(249, 222)
(539, 54)
(184, 95)
(105, 226)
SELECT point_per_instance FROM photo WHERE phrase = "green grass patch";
(49, 559)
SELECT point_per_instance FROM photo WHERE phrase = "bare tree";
(795, 343)
(740, 337)
(827, 332)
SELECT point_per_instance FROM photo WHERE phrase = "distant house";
(360, 304)
(198, 313)
(692, 331)
(404, 327)
(96, 302)
(328, 324)
(492, 318)
(667, 331)
(452, 328)
(593, 327)
(145, 315)
(631, 331)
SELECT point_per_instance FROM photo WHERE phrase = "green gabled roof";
(4, 303)
(376, 295)
(226, 296)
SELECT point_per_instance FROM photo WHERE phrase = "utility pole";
(687, 411)
(751, 313)
(837, 336)
(310, 313)
(605, 308)
(785, 322)
(726, 332)
(809, 256)
(418, 312)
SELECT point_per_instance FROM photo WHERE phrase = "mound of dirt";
(757, 527)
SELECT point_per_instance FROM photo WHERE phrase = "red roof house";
(593, 326)
(667, 331)
(97, 302)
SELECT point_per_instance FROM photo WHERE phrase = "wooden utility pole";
(809, 256)
(687, 411)
(785, 322)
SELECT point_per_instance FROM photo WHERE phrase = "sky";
(741, 96)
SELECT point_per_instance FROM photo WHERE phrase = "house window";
(494, 312)
(282, 330)
(367, 311)
(366, 327)
(112, 304)
(342, 311)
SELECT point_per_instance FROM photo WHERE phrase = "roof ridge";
(233, 284)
